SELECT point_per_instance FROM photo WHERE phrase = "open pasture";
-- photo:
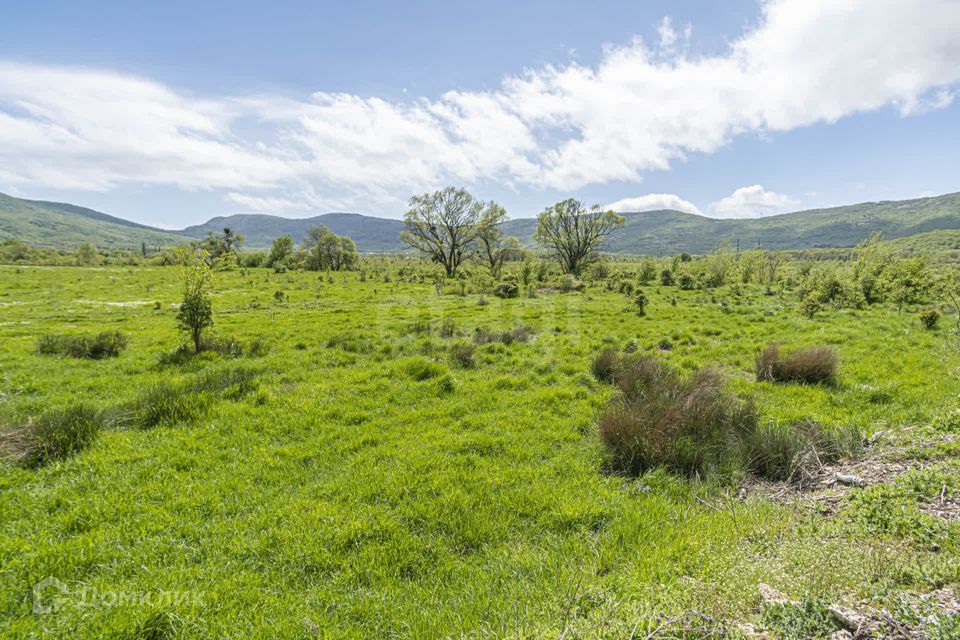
(391, 462)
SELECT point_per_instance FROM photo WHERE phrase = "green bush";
(810, 306)
(506, 290)
(929, 318)
(107, 344)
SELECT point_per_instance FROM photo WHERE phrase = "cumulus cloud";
(653, 202)
(752, 202)
(641, 108)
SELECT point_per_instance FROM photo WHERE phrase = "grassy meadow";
(352, 470)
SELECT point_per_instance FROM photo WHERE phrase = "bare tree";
(491, 246)
(443, 225)
(573, 233)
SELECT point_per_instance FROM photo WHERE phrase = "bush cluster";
(689, 425)
(694, 425)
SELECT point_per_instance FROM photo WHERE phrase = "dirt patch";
(823, 486)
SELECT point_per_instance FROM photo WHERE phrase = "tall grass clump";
(696, 426)
(170, 403)
(55, 435)
(520, 333)
(107, 344)
(815, 364)
(167, 404)
(797, 451)
(463, 355)
(690, 425)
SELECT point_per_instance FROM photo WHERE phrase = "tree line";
(450, 226)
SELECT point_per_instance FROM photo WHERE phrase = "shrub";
(196, 310)
(506, 290)
(462, 355)
(641, 302)
(810, 306)
(811, 365)
(693, 426)
(929, 318)
(108, 344)
(666, 278)
(686, 282)
(570, 283)
(55, 435)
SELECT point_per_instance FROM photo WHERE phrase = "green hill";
(259, 230)
(668, 232)
(54, 224)
(650, 232)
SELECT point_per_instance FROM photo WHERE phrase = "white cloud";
(752, 202)
(653, 202)
(639, 109)
(668, 35)
(265, 204)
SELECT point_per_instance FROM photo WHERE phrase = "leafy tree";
(196, 310)
(444, 225)
(218, 245)
(492, 248)
(906, 281)
(574, 234)
(280, 251)
(329, 252)
(347, 258)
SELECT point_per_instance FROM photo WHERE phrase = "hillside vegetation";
(646, 233)
(55, 224)
(259, 231)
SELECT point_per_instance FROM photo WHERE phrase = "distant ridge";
(56, 224)
(259, 230)
(662, 232)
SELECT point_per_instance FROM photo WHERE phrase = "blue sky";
(171, 113)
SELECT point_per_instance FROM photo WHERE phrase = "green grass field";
(360, 483)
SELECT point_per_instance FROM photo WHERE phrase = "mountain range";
(661, 232)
